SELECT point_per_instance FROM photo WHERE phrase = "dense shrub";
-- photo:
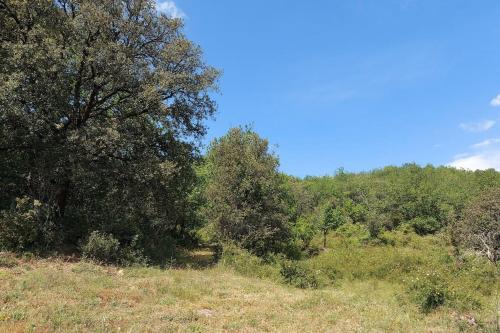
(475, 273)
(479, 227)
(429, 291)
(425, 225)
(27, 225)
(295, 274)
(134, 254)
(333, 218)
(101, 247)
(105, 248)
(304, 230)
(354, 233)
(292, 250)
(377, 223)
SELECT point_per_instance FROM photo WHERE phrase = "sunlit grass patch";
(52, 295)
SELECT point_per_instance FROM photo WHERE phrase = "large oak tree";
(102, 103)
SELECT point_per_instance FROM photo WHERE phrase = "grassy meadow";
(352, 286)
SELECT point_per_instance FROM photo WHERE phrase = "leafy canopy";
(102, 104)
(244, 192)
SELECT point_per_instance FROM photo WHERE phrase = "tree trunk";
(61, 197)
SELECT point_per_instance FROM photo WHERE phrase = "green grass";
(368, 292)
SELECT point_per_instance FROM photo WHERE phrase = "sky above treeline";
(358, 84)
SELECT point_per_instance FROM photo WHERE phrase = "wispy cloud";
(495, 101)
(170, 9)
(482, 161)
(486, 143)
(478, 127)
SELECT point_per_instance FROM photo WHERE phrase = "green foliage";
(247, 264)
(304, 229)
(244, 192)
(105, 248)
(479, 227)
(27, 225)
(420, 269)
(354, 233)
(101, 247)
(425, 225)
(423, 199)
(102, 107)
(377, 223)
(295, 274)
(333, 218)
(432, 289)
(429, 291)
(354, 211)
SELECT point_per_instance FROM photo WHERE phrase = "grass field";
(47, 295)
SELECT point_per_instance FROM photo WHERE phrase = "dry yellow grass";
(52, 295)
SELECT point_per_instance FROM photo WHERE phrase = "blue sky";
(358, 84)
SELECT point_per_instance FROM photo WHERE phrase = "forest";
(103, 108)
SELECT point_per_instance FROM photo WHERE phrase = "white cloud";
(486, 143)
(483, 161)
(478, 127)
(169, 8)
(495, 101)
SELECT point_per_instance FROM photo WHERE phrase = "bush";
(101, 247)
(105, 248)
(133, 254)
(299, 276)
(479, 229)
(429, 291)
(292, 250)
(354, 233)
(475, 273)
(26, 226)
(425, 225)
(377, 224)
(304, 229)
(374, 228)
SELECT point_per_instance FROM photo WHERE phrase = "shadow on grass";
(198, 258)
(181, 258)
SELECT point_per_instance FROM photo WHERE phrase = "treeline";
(426, 200)
(248, 201)
(102, 105)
